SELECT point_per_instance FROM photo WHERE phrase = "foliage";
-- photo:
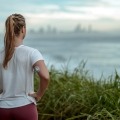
(77, 95)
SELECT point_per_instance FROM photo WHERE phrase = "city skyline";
(50, 29)
(77, 29)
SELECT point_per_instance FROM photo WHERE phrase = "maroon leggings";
(27, 112)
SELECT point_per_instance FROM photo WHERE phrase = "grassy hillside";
(78, 96)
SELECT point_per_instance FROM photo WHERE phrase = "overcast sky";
(64, 14)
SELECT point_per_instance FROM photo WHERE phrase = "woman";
(17, 63)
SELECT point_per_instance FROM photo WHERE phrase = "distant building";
(41, 31)
(49, 29)
(78, 29)
(90, 28)
(31, 31)
(54, 30)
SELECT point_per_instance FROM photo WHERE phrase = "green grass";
(77, 95)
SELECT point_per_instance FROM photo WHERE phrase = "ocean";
(100, 52)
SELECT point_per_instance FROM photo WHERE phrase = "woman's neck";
(18, 41)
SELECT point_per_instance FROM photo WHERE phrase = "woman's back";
(17, 79)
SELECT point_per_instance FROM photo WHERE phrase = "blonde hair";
(13, 25)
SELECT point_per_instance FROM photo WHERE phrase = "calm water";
(101, 53)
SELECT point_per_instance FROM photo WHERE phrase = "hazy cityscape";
(54, 30)
(78, 30)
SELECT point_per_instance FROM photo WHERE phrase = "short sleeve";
(36, 56)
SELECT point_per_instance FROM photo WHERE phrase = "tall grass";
(79, 96)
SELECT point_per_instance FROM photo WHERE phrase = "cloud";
(79, 9)
(115, 3)
(62, 16)
(41, 8)
(97, 11)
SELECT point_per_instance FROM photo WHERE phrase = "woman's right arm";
(44, 79)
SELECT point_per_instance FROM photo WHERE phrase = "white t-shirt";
(17, 80)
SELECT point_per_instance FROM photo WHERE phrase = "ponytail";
(13, 24)
(9, 40)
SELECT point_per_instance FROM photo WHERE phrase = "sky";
(102, 15)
